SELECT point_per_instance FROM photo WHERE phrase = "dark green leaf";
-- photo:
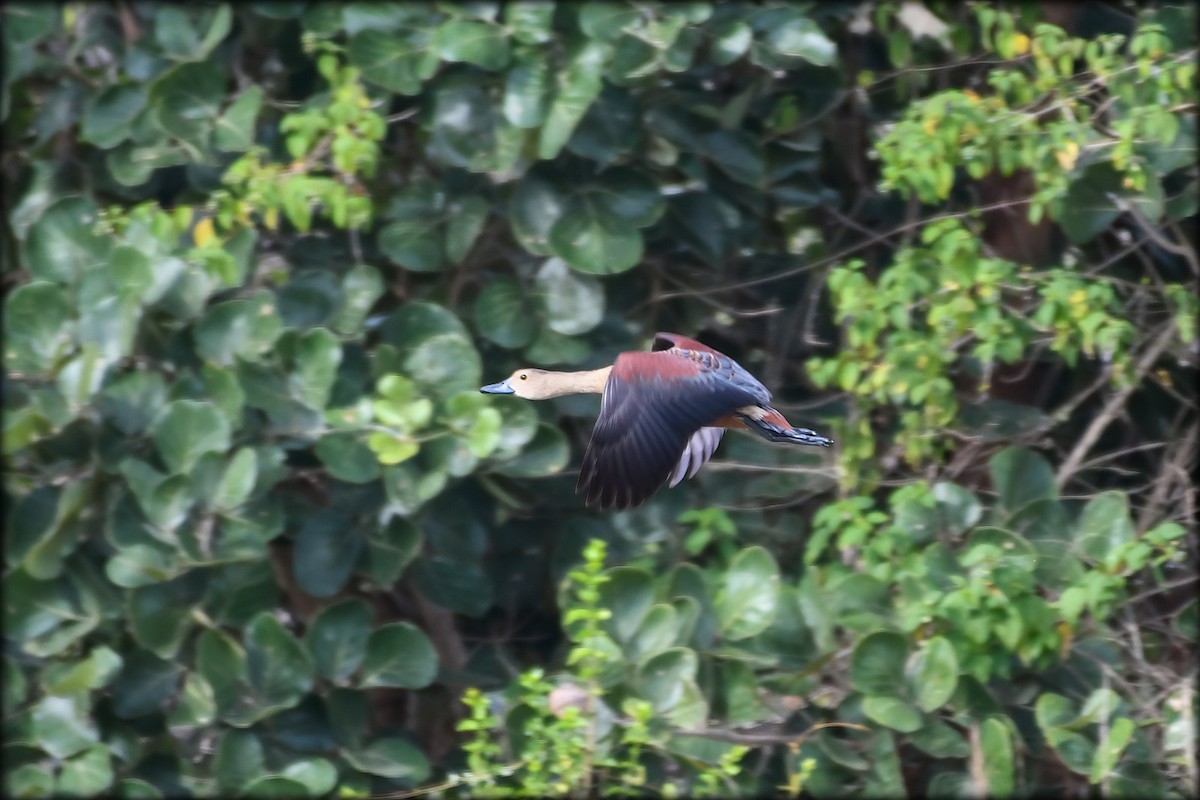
(503, 313)
(391, 548)
(546, 454)
(400, 655)
(108, 116)
(398, 64)
(187, 101)
(347, 457)
(144, 685)
(278, 667)
(1021, 476)
(337, 638)
(326, 552)
(877, 664)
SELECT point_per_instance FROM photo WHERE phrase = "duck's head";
(531, 384)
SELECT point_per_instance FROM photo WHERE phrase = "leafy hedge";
(264, 534)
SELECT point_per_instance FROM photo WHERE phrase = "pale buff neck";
(558, 384)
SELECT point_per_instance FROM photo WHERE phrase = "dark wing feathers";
(649, 415)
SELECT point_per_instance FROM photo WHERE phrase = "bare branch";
(1115, 405)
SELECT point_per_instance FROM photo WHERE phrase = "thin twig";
(1115, 405)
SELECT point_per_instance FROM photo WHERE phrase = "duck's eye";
(524, 377)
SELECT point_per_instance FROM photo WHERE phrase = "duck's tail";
(774, 427)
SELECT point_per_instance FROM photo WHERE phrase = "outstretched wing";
(653, 404)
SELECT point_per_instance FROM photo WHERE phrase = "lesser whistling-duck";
(662, 415)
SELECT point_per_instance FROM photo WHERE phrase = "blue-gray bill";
(497, 388)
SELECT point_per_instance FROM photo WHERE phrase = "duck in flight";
(662, 415)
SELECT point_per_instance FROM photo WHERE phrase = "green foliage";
(262, 529)
(564, 738)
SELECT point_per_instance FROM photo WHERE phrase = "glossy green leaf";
(573, 303)
(663, 678)
(995, 742)
(592, 239)
(190, 34)
(934, 673)
(530, 20)
(895, 714)
(801, 36)
(478, 43)
(62, 726)
(447, 364)
(86, 775)
(362, 285)
(390, 757)
(317, 357)
(940, 740)
(317, 775)
(238, 760)
(399, 655)
(64, 243)
(97, 670)
(749, 599)
(526, 90)
(186, 430)
(245, 328)
(160, 614)
(1110, 748)
(578, 85)
(1104, 524)
(656, 633)
(628, 594)
(278, 667)
(413, 244)
(196, 704)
